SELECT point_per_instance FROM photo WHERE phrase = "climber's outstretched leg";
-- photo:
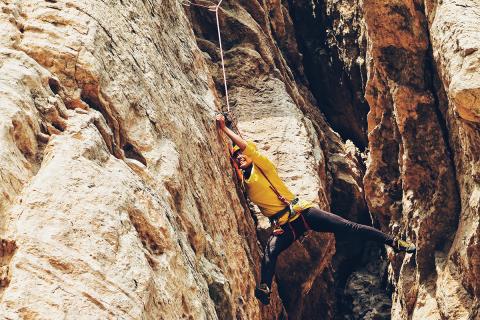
(320, 221)
(323, 221)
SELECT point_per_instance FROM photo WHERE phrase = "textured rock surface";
(422, 172)
(107, 135)
(364, 296)
(455, 40)
(454, 35)
(113, 175)
(117, 200)
(331, 38)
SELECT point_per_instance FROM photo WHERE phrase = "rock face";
(113, 175)
(331, 38)
(117, 199)
(456, 53)
(422, 170)
(408, 156)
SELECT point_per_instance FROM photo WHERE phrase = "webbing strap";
(279, 214)
(293, 231)
(303, 235)
(305, 223)
(279, 196)
(288, 205)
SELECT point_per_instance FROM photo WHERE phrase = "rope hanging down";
(215, 9)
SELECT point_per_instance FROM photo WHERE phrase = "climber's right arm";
(248, 148)
(239, 141)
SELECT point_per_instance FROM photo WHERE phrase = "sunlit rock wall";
(117, 200)
(117, 196)
(422, 170)
(273, 107)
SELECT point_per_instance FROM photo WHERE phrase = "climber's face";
(243, 160)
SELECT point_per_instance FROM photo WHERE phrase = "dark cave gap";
(339, 89)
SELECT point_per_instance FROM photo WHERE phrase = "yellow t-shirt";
(259, 190)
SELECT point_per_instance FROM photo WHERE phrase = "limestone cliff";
(117, 197)
(424, 141)
(113, 175)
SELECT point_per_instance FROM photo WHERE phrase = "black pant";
(320, 221)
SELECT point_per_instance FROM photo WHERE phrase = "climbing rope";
(229, 148)
(215, 9)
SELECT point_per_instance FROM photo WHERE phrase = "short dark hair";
(236, 149)
(235, 153)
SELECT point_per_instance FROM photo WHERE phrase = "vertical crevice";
(92, 99)
(334, 68)
(441, 106)
(7, 250)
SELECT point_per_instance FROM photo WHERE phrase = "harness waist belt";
(287, 209)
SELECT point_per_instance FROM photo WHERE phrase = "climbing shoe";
(403, 246)
(262, 293)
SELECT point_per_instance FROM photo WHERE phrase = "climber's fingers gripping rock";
(220, 119)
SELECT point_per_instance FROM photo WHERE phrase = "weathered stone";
(112, 212)
(456, 42)
(413, 185)
(331, 38)
(268, 111)
(453, 32)
(365, 293)
(116, 196)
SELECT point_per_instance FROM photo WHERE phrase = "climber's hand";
(220, 121)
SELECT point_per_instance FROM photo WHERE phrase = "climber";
(290, 217)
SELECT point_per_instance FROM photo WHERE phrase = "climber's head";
(242, 160)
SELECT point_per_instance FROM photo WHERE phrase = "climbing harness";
(275, 219)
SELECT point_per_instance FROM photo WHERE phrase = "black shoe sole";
(262, 297)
